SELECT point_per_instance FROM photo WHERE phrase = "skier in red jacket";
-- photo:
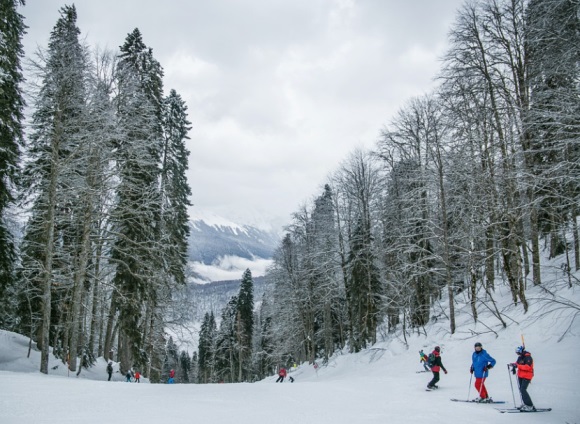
(437, 366)
(281, 374)
(525, 367)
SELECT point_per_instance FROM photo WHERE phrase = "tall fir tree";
(245, 325)
(552, 34)
(12, 29)
(136, 215)
(206, 349)
(226, 352)
(174, 189)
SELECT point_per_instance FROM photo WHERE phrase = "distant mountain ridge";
(220, 249)
(209, 241)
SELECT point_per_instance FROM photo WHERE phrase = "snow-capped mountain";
(220, 249)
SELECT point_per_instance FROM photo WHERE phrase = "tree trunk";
(79, 281)
(534, 234)
(110, 323)
(47, 274)
(576, 236)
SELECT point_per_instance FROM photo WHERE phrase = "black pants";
(524, 383)
(435, 379)
(110, 374)
(280, 379)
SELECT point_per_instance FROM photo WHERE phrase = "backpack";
(431, 360)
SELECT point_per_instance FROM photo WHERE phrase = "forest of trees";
(93, 236)
(465, 189)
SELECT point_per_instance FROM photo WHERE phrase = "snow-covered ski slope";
(378, 385)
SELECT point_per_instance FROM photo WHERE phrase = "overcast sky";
(279, 91)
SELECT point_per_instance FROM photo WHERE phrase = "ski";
(419, 372)
(513, 410)
(473, 401)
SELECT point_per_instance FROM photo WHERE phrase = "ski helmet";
(478, 344)
(437, 348)
(520, 350)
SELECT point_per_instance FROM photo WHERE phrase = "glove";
(471, 369)
(445, 371)
(489, 367)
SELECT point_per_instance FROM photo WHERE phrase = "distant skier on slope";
(481, 362)
(110, 370)
(281, 375)
(436, 366)
(423, 360)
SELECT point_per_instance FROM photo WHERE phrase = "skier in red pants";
(481, 363)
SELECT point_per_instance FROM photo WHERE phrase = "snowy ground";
(379, 385)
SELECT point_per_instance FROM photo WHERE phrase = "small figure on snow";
(110, 370)
(171, 377)
(436, 366)
(525, 368)
(423, 360)
(281, 375)
(129, 375)
(291, 379)
(481, 363)
(137, 377)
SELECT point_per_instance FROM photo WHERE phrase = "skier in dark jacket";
(110, 370)
(481, 362)
(525, 368)
(437, 366)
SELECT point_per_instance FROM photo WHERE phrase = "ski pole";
(512, 386)
(469, 388)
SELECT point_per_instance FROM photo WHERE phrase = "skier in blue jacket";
(481, 362)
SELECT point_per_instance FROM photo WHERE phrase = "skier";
(525, 368)
(128, 376)
(481, 362)
(110, 370)
(423, 360)
(281, 375)
(435, 368)
(137, 376)
(171, 377)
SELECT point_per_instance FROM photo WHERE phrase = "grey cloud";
(279, 92)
